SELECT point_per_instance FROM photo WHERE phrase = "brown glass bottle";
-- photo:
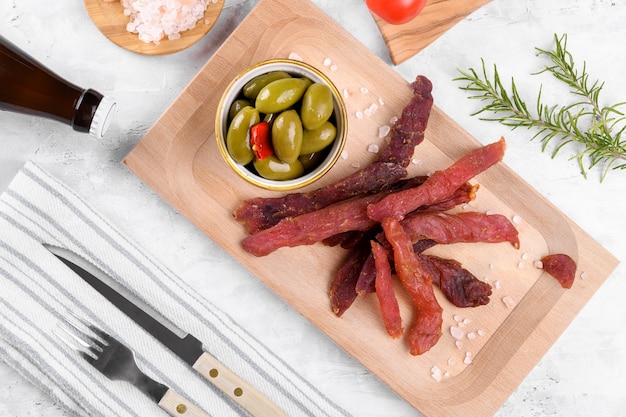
(27, 86)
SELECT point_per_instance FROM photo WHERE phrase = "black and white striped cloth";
(37, 291)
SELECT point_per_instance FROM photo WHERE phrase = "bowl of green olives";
(281, 124)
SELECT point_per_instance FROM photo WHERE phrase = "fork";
(117, 362)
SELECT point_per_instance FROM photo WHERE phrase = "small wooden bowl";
(109, 18)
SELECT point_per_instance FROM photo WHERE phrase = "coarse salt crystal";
(457, 318)
(359, 114)
(373, 148)
(346, 93)
(497, 285)
(584, 275)
(383, 131)
(334, 67)
(456, 332)
(480, 332)
(459, 344)
(364, 90)
(517, 219)
(344, 154)
(393, 119)
(356, 164)
(471, 335)
(525, 256)
(436, 373)
(451, 361)
(381, 102)
(538, 264)
(520, 265)
(327, 62)
(508, 301)
(295, 56)
(416, 161)
(468, 358)
(492, 267)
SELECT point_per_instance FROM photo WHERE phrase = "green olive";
(317, 106)
(252, 87)
(281, 94)
(273, 168)
(312, 160)
(317, 139)
(287, 136)
(236, 106)
(238, 136)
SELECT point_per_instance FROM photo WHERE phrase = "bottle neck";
(85, 110)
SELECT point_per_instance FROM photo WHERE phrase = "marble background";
(583, 374)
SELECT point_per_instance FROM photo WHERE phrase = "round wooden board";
(109, 18)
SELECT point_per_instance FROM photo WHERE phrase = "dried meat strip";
(461, 227)
(261, 213)
(389, 308)
(426, 330)
(408, 131)
(342, 289)
(440, 185)
(313, 227)
(459, 285)
(562, 267)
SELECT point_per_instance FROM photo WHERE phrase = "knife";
(184, 345)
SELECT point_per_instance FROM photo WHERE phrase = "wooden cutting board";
(501, 342)
(406, 40)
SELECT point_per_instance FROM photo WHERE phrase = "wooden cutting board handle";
(404, 41)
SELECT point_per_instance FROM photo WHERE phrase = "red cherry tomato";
(396, 12)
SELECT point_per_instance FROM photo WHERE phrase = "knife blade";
(184, 345)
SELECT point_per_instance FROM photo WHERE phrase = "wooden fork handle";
(179, 406)
(236, 388)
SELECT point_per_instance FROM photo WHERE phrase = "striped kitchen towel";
(38, 291)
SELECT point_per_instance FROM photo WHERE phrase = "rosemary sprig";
(598, 129)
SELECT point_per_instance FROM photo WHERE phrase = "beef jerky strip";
(261, 213)
(342, 289)
(426, 330)
(459, 285)
(561, 267)
(408, 131)
(389, 308)
(313, 227)
(461, 227)
(440, 185)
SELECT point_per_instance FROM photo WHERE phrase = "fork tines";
(88, 345)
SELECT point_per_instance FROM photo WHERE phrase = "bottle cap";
(102, 117)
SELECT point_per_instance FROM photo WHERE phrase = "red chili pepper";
(260, 140)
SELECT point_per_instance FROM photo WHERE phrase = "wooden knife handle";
(240, 391)
(178, 406)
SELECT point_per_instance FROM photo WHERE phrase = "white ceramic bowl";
(233, 91)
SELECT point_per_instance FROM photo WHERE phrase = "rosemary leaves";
(597, 128)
